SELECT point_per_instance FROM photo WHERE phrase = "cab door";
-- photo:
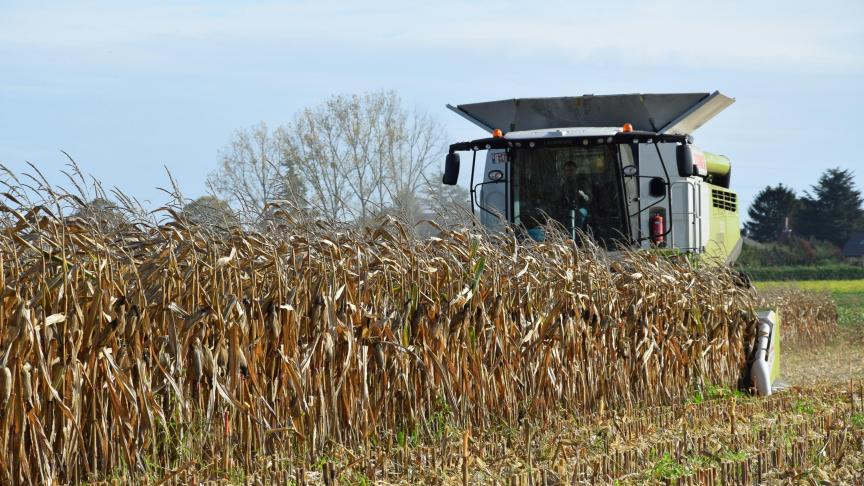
(493, 202)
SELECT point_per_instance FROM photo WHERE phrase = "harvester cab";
(621, 169)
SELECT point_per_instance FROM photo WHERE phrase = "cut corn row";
(805, 433)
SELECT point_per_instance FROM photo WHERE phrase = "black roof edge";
(618, 138)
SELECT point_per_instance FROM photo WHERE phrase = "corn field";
(151, 350)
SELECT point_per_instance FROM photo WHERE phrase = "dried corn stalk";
(158, 344)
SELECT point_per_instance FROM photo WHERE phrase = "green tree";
(104, 214)
(210, 211)
(769, 211)
(832, 212)
(442, 197)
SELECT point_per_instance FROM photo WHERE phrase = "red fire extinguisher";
(658, 229)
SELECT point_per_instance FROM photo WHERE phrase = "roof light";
(497, 133)
(627, 128)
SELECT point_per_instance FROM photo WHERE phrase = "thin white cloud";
(723, 35)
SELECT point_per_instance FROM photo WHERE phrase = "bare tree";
(253, 171)
(351, 157)
(362, 154)
(314, 142)
(416, 146)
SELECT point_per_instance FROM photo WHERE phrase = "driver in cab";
(575, 194)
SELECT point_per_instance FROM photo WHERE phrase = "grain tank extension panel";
(677, 113)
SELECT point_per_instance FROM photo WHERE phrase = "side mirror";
(684, 157)
(451, 170)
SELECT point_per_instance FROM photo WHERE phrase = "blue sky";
(127, 88)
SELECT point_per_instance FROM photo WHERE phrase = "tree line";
(830, 211)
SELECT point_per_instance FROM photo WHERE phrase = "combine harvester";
(621, 168)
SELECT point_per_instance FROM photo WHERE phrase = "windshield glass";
(576, 186)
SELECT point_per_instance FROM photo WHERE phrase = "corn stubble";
(152, 351)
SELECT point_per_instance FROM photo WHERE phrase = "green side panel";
(717, 164)
(775, 346)
(724, 223)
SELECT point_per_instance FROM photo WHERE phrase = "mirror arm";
(480, 206)
(473, 188)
